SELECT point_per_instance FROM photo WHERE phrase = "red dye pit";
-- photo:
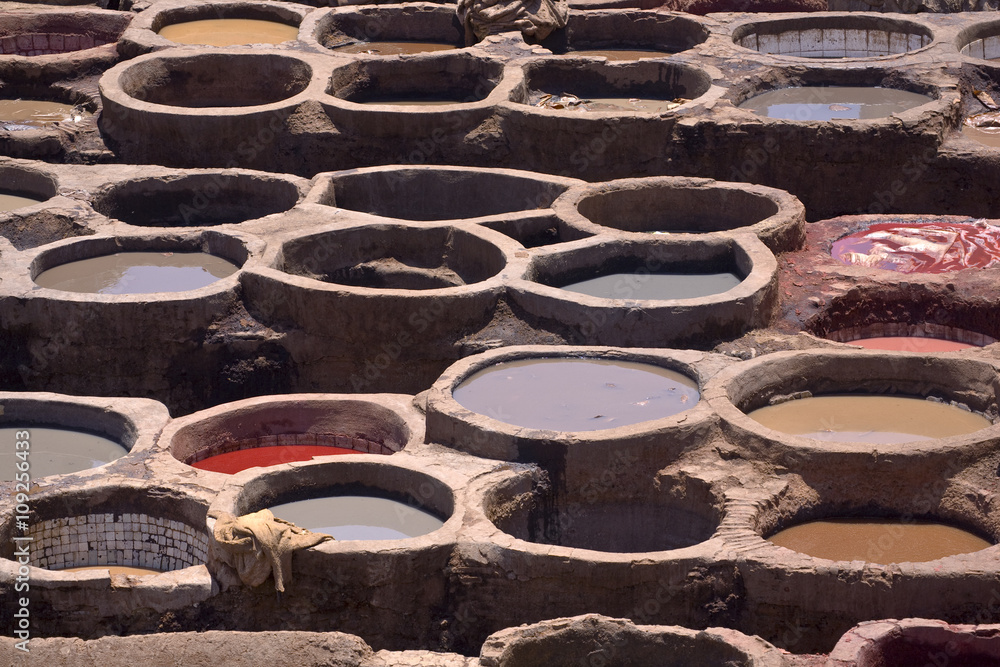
(261, 457)
(910, 344)
(921, 247)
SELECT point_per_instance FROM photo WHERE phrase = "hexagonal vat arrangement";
(262, 432)
(863, 400)
(395, 257)
(110, 542)
(557, 86)
(838, 36)
(23, 187)
(426, 193)
(58, 32)
(63, 434)
(201, 200)
(676, 205)
(594, 639)
(690, 291)
(389, 518)
(626, 34)
(387, 30)
(574, 407)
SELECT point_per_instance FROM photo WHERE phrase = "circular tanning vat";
(911, 641)
(58, 32)
(228, 25)
(395, 257)
(261, 432)
(821, 95)
(599, 640)
(415, 97)
(626, 34)
(64, 434)
(980, 40)
(213, 113)
(388, 30)
(870, 396)
(376, 290)
(509, 404)
(837, 36)
(652, 293)
(190, 200)
(27, 108)
(24, 186)
(428, 193)
(156, 536)
(109, 554)
(631, 520)
(572, 86)
(677, 205)
(368, 571)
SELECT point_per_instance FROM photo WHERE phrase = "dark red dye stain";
(234, 462)
(921, 247)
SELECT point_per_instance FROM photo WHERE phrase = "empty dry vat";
(691, 290)
(143, 550)
(380, 303)
(428, 193)
(196, 200)
(834, 36)
(260, 432)
(626, 34)
(61, 434)
(386, 30)
(679, 205)
(196, 108)
(427, 97)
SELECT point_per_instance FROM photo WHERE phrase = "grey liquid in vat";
(656, 286)
(138, 273)
(575, 394)
(11, 202)
(358, 517)
(833, 102)
(873, 419)
(56, 451)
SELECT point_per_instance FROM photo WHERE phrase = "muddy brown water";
(878, 540)
(354, 517)
(56, 451)
(910, 344)
(871, 419)
(619, 54)
(417, 102)
(114, 569)
(656, 286)
(12, 202)
(138, 273)
(393, 48)
(229, 32)
(37, 113)
(988, 137)
(618, 105)
(575, 394)
(833, 102)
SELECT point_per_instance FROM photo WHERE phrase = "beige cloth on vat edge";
(258, 545)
